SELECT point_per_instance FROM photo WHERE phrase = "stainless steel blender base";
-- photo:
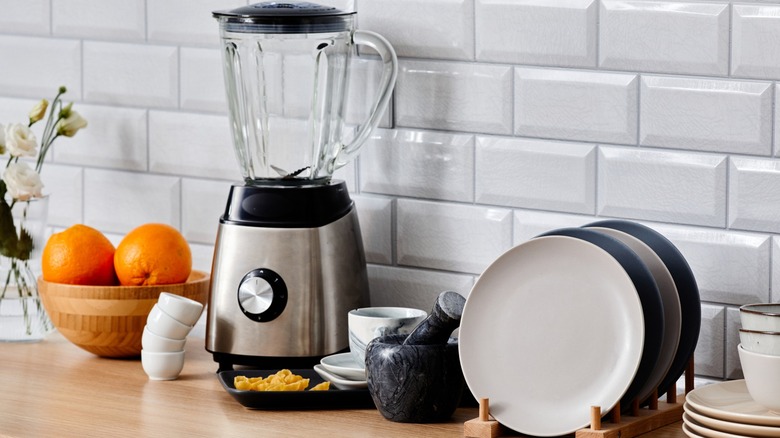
(323, 270)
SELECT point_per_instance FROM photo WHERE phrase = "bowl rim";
(753, 309)
(760, 332)
(744, 350)
(196, 276)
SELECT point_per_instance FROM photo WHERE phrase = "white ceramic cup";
(162, 365)
(762, 378)
(760, 342)
(183, 309)
(760, 317)
(154, 342)
(367, 323)
(162, 324)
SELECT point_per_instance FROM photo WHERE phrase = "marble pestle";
(440, 323)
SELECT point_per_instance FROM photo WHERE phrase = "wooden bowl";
(109, 320)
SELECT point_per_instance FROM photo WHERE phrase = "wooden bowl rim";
(196, 278)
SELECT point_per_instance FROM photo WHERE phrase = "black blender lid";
(285, 17)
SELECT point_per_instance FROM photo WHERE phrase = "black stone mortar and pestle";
(418, 378)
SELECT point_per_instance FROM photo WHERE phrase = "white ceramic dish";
(730, 401)
(730, 426)
(671, 306)
(553, 316)
(760, 342)
(762, 377)
(706, 431)
(153, 342)
(760, 317)
(339, 382)
(162, 324)
(183, 309)
(344, 365)
(162, 365)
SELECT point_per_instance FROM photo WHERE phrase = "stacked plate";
(726, 410)
(343, 371)
(578, 317)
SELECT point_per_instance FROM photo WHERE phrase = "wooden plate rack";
(641, 420)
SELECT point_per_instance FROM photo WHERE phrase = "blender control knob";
(262, 295)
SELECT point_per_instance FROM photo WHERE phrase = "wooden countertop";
(53, 388)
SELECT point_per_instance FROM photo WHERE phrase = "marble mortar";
(414, 383)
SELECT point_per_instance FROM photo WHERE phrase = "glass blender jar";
(288, 259)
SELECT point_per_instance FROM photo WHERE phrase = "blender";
(288, 258)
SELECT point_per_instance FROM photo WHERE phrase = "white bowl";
(760, 342)
(371, 322)
(762, 378)
(760, 317)
(162, 365)
(162, 324)
(183, 309)
(154, 342)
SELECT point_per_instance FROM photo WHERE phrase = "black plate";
(690, 301)
(646, 288)
(334, 398)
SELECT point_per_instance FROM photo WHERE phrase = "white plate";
(706, 431)
(671, 306)
(552, 327)
(690, 433)
(728, 426)
(339, 382)
(344, 365)
(730, 401)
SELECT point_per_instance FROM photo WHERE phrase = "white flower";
(71, 123)
(22, 181)
(38, 111)
(20, 140)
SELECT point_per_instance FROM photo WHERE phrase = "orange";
(153, 254)
(79, 255)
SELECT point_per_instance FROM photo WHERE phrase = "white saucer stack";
(343, 371)
(726, 410)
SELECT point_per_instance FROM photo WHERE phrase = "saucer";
(344, 365)
(339, 382)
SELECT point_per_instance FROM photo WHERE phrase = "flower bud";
(38, 111)
(71, 124)
(65, 112)
(2, 139)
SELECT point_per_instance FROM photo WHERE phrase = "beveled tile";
(191, 144)
(754, 194)
(202, 84)
(664, 36)
(114, 137)
(708, 357)
(120, 201)
(537, 32)
(451, 237)
(706, 114)
(529, 223)
(422, 164)
(30, 17)
(105, 19)
(202, 204)
(730, 267)
(423, 28)
(755, 28)
(576, 105)
(540, 174)
(65, 185)
(681, 187)
(415, 288)
(40, 67)
(454, 96)
(733, 324)
(130, 74)
(376, 226)
(185, 21)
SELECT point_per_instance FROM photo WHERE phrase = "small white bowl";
(760, 342)
(183, 309)
(162, 365)
(760, 317)
(762, 378)
(162, 324)
(368, 323)
(154, 342)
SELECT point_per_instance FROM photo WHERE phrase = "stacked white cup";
(167, 327)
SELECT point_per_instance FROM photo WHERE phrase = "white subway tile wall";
(509, 118)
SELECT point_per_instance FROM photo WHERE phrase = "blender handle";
(389, 73)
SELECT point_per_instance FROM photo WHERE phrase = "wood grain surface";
(53, 388)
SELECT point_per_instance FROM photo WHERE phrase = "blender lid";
(285, 17)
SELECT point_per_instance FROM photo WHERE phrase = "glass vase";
(22, 316)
